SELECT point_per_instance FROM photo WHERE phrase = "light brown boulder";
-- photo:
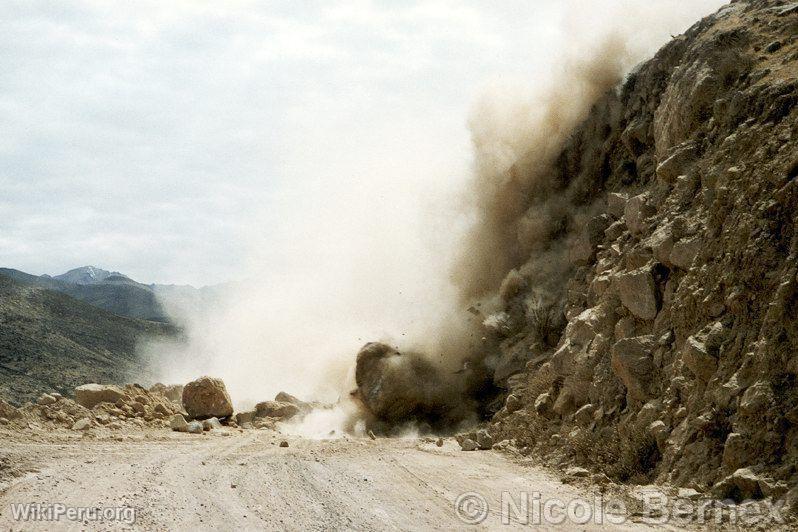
(178, 423)
(638, 292)
(207, 397)
(276, 409)
(90, 395)
(684, 252)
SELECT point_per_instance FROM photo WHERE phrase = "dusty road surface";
(246, 481)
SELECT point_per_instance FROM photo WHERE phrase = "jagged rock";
(276, 409)
(468, 445)
(741, 485)
(246, 417)
(90, 395)
(632, 362)
(636, 212)
(678, 163)
(616, 204)
(734, 451)
(695, 356)
(194, 427)
(178, 423)
(211, 424)
(757, 399)
(684, 252)
(207, 397)
(82, 424)
(638, 292)
(484, 440)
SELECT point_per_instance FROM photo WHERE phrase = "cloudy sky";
(166, 139)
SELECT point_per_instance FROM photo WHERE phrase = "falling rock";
(276, 409)
(638, 292)
(194, 427)
(211, 424)
(632, 362)
(90, 395)
(696, 358)
(283, 443)
(82, 424)
(484, 440)
(178, 423)
(468, 445)
(207, 397)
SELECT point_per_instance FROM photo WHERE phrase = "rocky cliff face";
(679, 359)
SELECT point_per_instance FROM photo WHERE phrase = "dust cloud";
(397, 254)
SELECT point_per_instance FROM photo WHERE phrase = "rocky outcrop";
(680, 357)
(207, 397)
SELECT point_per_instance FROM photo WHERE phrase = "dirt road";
(247, 481)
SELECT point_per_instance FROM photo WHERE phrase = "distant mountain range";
(119, 294)
(57, 332)
(51, 341)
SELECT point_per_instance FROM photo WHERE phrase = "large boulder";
(90, 395)
(396, 387)
(633, 363)
(207, 397)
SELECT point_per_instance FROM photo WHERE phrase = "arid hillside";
(679, 359)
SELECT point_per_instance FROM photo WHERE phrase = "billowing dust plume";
(374, 252)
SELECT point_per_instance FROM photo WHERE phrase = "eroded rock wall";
(680, 354)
